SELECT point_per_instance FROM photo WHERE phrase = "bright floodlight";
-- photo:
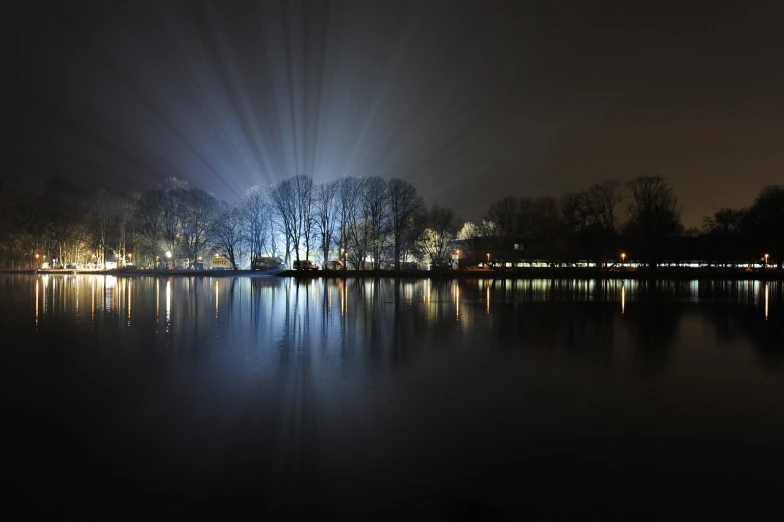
(168, 254)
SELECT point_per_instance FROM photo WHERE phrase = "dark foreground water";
(392, 400)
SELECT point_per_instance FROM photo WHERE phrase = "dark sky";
(469, 101)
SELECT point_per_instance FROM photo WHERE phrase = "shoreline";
(661, 274)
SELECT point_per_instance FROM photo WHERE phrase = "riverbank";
(555, 273)
(682, 273)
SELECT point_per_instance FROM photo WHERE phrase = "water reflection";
(471, 314)
(269, 384)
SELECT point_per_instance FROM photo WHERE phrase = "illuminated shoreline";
(669, 273)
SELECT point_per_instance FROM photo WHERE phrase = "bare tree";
(376, 216)
(766, 222)
(351, 237)
(654, 213)
(198, 214)
(326, 214)
(101, 212)
(306, 221)
(724, 222)
(293, 201)
(602, 200)
(284, 203)
(227, 231)
(435, 242)
(147, 218)
(256, 208)
(505, 213)
(545, 218)
(124, 211)
(573, 211)
(404, 204)
(172, 208)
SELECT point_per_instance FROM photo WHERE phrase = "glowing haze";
(468, 101)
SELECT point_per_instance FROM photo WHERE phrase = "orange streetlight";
(623, 257)
(766, 260)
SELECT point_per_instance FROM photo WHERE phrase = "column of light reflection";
(623, 299)
(766, 301)
(46, 292)
(157, 300)
(168, 304)
(457, 302)
(488, 299)
(128, 288)
(216, 299)
(110, 287)
(36, 302)
(343, 288)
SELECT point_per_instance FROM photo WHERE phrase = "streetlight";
(488, 260)
(766, 260)
(623, 257)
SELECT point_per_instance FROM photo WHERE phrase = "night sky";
(469, 101)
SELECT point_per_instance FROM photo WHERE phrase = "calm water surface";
(394, 399)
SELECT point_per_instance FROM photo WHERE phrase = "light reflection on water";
(59, 295)
(415, 310)
(267, 384)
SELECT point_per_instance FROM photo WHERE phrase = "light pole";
(766, 260)
(488, 260)
(168, 257)
(623, 258)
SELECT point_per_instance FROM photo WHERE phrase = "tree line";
(641, 216)
(373, 223)
(366, 223)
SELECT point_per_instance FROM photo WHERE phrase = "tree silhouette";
(655, 216)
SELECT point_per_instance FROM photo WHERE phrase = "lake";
(389, 399)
